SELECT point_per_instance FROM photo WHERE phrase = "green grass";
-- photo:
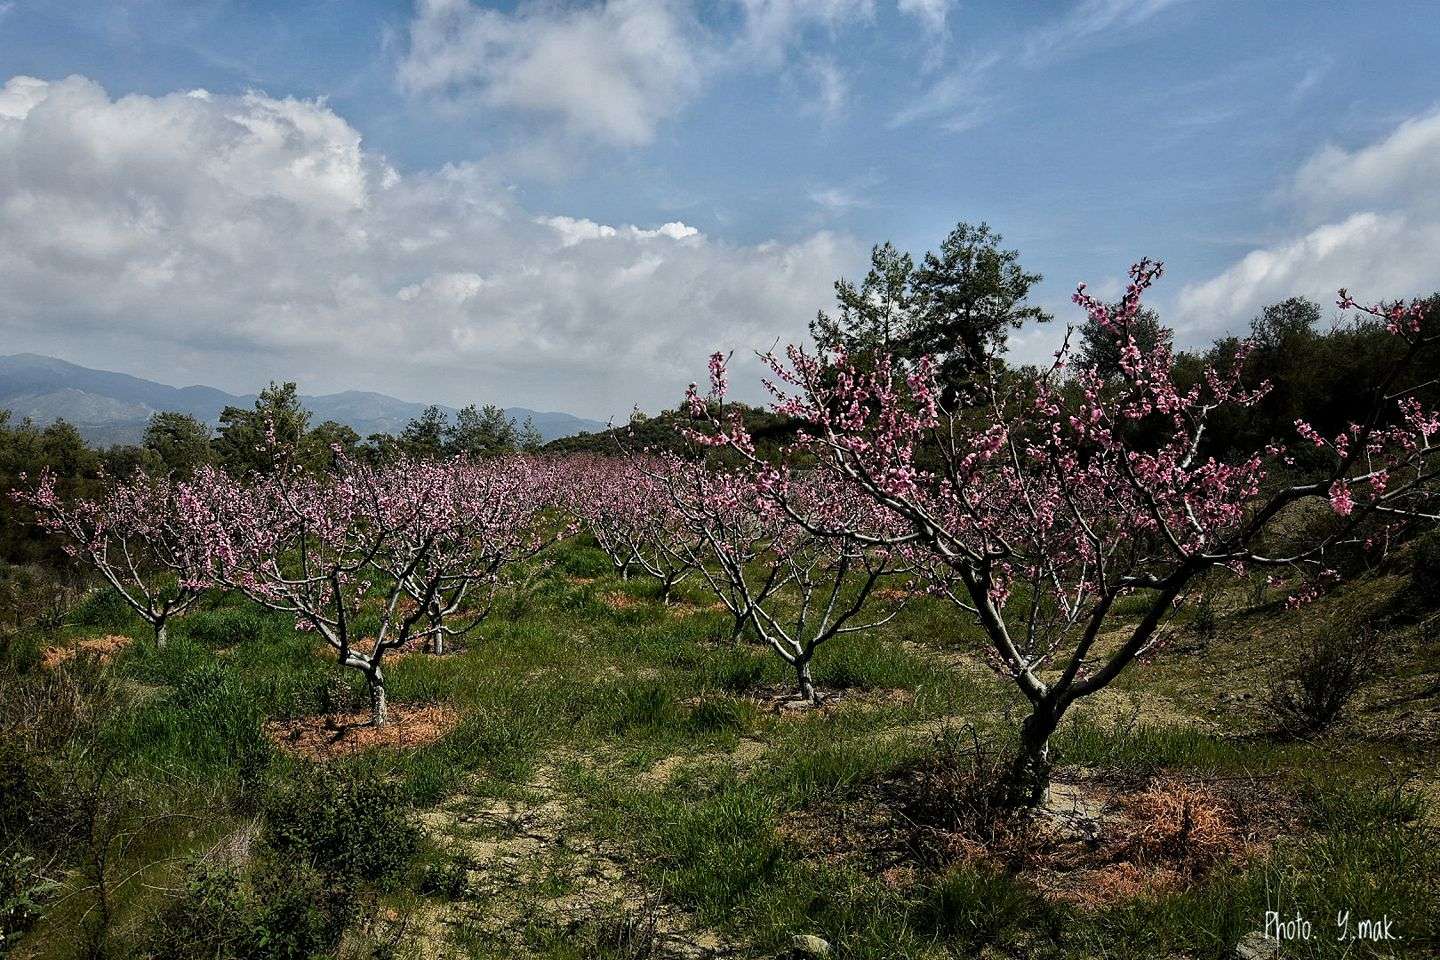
(604, 699)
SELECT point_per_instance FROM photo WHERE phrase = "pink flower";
(1340, 500)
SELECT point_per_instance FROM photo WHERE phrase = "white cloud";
(1085, 21)
(831, 89)
(958, 101)
(1404, 166)
(772, 25)
(232, 239)
(615, 70)
(932, 13)
(612, 71)
(1371, 223)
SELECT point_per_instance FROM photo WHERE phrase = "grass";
(642, 725)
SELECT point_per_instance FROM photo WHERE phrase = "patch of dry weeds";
(327, 737)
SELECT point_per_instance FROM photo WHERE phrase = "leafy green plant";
(350, 826)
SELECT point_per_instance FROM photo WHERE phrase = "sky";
(569, 205)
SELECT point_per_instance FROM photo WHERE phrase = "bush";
(1333, 663)
(285, 912)
(105, 609)
(960, 790)
(22, 895)
(351, 827)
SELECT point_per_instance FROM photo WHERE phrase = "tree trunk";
(665, 593)
(738, 630)
(162, 632)
(379, 709)
(803, 681)
(1029, 784)
(437, 643)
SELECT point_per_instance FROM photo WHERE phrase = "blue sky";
(471, 159)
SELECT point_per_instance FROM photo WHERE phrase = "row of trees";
(181, 443)
(1035, 501)
(369, 558)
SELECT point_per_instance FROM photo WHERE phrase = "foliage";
(181, 442)
(246, 439)
(351, 827)
(956, 307)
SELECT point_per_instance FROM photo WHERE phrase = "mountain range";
(111, 408)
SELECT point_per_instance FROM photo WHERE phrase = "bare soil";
(534, 873)
(338, 735)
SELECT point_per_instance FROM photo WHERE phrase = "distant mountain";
(109, 408)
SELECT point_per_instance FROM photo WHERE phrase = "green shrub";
(105, 609)
(286, 911)
(1334, 662)
(22, 895)
(351, 827)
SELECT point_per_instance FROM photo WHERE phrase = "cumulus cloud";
(1370, 222)
(230, 239)
(613, 70)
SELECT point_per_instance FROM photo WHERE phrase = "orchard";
(1068, 522)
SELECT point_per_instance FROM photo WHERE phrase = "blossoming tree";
(625, 506)
(798, 584)
(131, 536)
(1041, 503)
(486, 520)
(331, 549)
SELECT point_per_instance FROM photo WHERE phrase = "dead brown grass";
(339, 735)
(621, 601)
(1102, 839)
(104, 648)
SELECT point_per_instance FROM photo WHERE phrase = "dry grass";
(104, 648)
(1100, 840)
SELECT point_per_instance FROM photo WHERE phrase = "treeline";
(957, 305)
(178, 443)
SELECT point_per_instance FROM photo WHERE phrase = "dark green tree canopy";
(874, 317)
(424, 437)
(480, 431)
(180, 441)
(957, 306)
(967, 299)
(1099, 349)
(241, 444)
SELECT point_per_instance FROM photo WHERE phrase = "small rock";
(808, 945)
(1256, 946)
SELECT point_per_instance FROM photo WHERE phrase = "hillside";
(112, 408)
